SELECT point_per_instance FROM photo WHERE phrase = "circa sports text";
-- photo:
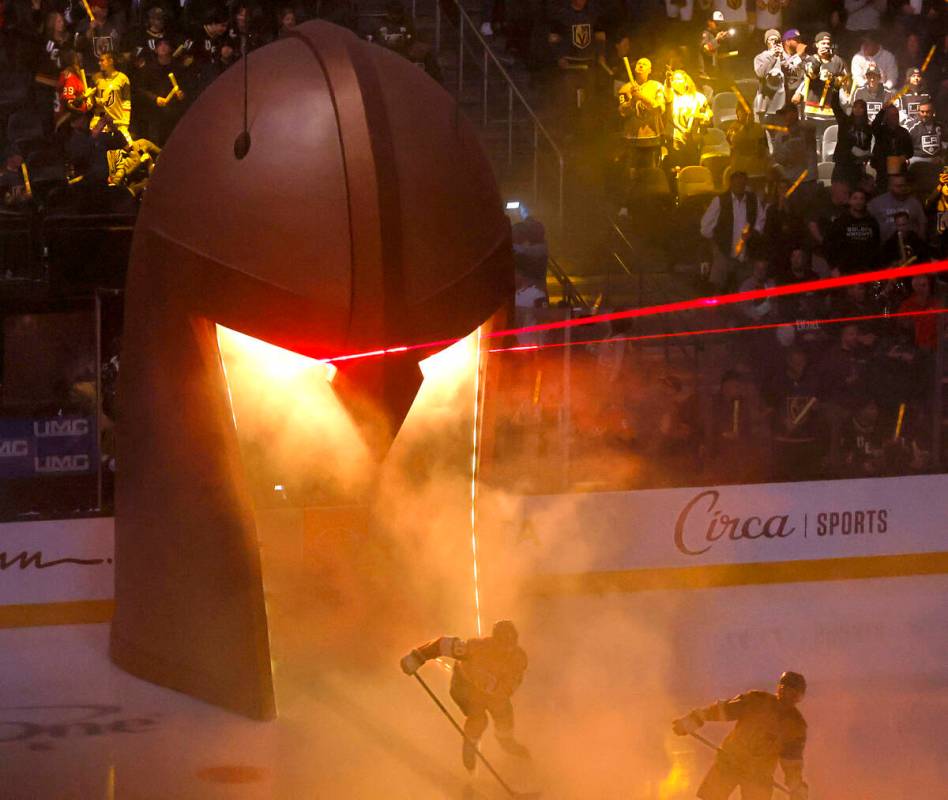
(702, 523)
(874, 520)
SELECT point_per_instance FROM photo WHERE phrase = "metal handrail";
(620, 232)
(624, 239)
(640, 292)
(512, 91)
(625, 268)
(570, 293)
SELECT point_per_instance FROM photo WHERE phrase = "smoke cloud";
(379, 559)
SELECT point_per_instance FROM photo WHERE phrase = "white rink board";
(767, 523)
(57, 561)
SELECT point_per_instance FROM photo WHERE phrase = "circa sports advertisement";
(856, 528)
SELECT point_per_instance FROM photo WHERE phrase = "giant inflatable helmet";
(363, 216)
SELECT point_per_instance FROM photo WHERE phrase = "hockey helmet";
(793, 680)
(505, 632)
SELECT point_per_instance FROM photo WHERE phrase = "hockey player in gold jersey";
(769, 729)
(487, 671)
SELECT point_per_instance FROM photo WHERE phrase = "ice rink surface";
(607, 674)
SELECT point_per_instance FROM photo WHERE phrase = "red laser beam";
(708, 331)
(390, 350)
(739, 297)
(697, 303)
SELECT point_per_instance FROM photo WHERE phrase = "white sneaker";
(486, 29)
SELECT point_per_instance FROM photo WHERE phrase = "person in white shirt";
(728, 224)
(870, 53)
(528, 301)
(864, 15)
(899, 199)
(770, 14)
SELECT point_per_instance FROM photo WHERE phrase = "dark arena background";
(335, 333)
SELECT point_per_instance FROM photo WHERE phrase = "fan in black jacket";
(890, 139)
(853, 142)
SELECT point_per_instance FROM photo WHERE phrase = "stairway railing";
(468, 32)
(571, 294)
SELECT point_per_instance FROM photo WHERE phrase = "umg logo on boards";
(61, 428)
(48, 428)
(60, 445)
(65, 463)
(14, 448)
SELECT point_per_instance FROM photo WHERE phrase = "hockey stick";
(477, 750)
(732, 762)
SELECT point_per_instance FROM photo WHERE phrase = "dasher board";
(56, 572)
(724, 535)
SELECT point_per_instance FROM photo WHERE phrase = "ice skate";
(512, 747)
(469, 754)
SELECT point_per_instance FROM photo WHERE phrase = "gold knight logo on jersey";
(796, 407)
(101, 45)
(582, 35)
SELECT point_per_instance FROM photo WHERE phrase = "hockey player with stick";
(487, 671)
(769, 729)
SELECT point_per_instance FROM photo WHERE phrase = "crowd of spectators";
(795, 140)
(851, 399)
(798, 139)
(90, 91)
(820, 399)
(813, 400)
